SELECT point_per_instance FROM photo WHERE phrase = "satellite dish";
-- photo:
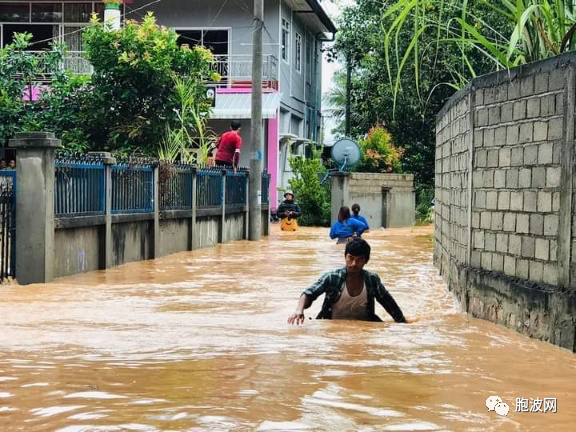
(345, 153)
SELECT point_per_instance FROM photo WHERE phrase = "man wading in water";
(350, 291)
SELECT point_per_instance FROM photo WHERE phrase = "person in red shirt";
(228, 146)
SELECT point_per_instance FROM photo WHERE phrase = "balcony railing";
(73, 61)
(235, 70)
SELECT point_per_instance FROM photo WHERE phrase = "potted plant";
(112, 4)
(112, 13)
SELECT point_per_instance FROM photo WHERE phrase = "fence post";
(247, 212)
(35, 206)
(223, 223)
(156, 206)
(108, 161)
(194, 205)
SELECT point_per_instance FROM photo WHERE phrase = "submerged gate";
(7, 224)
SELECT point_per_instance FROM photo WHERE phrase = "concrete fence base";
(48, 247)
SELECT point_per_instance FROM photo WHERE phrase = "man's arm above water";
(304, 302)
(308, 296)
(387, 301)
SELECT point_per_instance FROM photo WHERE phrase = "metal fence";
(132, 189)
(236, 186)
(265, 188)
(209, 187)
(175, 184)
(79, 188)
(7, 224)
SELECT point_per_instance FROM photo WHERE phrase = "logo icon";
(494, 403)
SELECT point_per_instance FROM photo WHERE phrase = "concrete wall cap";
(33, 135)
(34, 140)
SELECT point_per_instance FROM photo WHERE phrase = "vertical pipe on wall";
(566, 182)
(223, 203)
(156, 207)
(108, 240)
(194, 206)
(471, 102)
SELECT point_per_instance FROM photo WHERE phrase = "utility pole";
(255, 196)
(348, 91)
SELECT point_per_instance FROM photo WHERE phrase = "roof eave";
(323, 16)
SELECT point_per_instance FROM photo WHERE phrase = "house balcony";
(235, 69)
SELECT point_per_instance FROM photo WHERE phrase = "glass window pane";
(190, 37)
(46, 12)
(14, 12)
(99, 9)
(77, 12)
(216, 41)
(42, 35)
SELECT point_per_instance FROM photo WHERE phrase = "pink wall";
(273, 158)
(36, 90)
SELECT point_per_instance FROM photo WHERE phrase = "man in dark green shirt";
(350, 291)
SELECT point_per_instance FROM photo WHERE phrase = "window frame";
(285, 41)
(298, 52)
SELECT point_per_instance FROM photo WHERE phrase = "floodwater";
(198, 341)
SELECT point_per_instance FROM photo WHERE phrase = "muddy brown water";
(198, 341)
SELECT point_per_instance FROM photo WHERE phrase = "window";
(77, 12)
(49, 21)
(47, 12)
(215, 40)
(298, 52)
(15, 12)
(284, 48)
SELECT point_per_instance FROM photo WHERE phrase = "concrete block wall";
(518, 138)
(505, 218)
(386, 200)
(452, 195)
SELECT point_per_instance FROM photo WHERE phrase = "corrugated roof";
(239, 105)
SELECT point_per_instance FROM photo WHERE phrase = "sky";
(332, 7)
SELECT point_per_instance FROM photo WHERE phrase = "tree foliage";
(402, 92)
(27, 102)
(143, 85)
(134, 97)
(312, 196)
(379, 154)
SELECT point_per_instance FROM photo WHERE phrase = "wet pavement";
(198, 341)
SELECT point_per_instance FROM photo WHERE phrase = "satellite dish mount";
(345, 154)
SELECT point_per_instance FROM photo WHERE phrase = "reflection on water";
(199, 341)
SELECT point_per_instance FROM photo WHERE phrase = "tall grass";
(541, 29)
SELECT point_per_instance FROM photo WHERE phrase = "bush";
(312, 196)
(424, 206)
(379, 155)
(134, 99)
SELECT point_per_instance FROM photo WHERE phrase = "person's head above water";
(358, 247)
(344, 213)
(235, 125)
